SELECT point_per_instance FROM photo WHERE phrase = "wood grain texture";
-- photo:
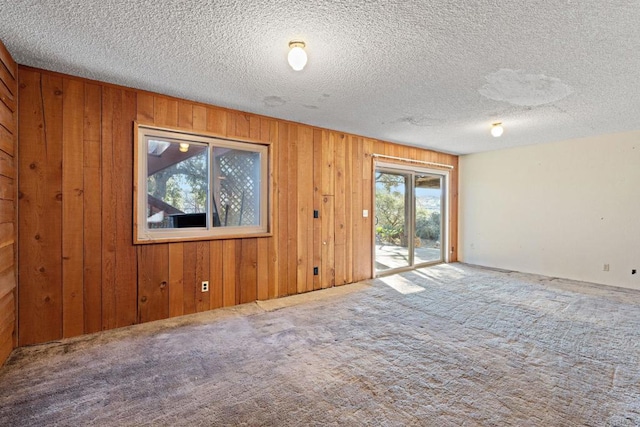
(40, 207)
(176, 279)
(153, 282)
(215, 274)
(73, 99)
(92, 205)
(8, 62)
(76, 202)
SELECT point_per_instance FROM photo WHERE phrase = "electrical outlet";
(205, 286)
(606, 267)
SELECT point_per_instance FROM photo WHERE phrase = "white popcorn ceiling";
(434, 74)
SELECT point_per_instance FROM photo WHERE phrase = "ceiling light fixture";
(497, 129)
(184, 147)
(297, 56)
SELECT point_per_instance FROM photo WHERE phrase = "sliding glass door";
(409, 218)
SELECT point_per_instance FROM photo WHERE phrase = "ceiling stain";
(273, 101)
(311, 107)
(418, 121)
(520, 88)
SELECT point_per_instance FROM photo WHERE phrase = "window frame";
(144, 235)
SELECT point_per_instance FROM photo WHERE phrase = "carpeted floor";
(451, 345)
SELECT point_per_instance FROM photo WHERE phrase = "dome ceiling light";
(497, 130)
(297, 56)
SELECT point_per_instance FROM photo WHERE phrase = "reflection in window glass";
(177, 184)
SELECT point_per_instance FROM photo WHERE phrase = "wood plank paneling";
(280, 209)
(248, 271)
(7, 142)
(176, 279)
(120, 265)
(304, 213)
(317, 206)
(76, 177)
(73, 98)
(202, 274)
(7, 281)
(190, 263)
(328, 243)
(40, 220)
(215, 274)
(291, 212)
(229, 273)
(92, 205)
(153, 282)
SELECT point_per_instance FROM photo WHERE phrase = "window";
(193, 187)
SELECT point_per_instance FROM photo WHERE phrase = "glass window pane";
(177, 184)
(428, 199)
(392, 246)
(236, 187)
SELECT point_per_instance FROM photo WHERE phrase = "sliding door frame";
(412, 170)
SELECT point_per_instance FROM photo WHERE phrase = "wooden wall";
(79, 271)
(8, 138)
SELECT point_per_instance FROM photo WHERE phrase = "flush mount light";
(297, 56)
(497, 129)
(184, 147)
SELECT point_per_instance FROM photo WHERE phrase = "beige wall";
(562, 209)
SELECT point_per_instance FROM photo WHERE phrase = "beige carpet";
(450, 345)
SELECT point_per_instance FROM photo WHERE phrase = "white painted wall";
(562, 209)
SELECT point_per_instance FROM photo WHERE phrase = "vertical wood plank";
(185, 115)
(190, 277)
(317, 205)
(229, 273)
(176, 279)
(367, 203)
(215, 273)
(72, 208)
(282, 211)
(340, 214)
(238, 126)
(216, 121)
(263, 269)
(328, 243)
(92, 203)
(305, 210)
(328, 165)
(348, 207)
(248, 271)
(292, 212)
(269, 132)
(202, 274)
(40, 221)
(153, 282)
(145, 108)
(199, 117)
(165, 111)
(356, 204)
(124, 113)
(109, 217)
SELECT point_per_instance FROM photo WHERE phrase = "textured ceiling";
(434, 74)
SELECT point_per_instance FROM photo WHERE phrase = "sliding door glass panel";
(427, 242)
(392, 249)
